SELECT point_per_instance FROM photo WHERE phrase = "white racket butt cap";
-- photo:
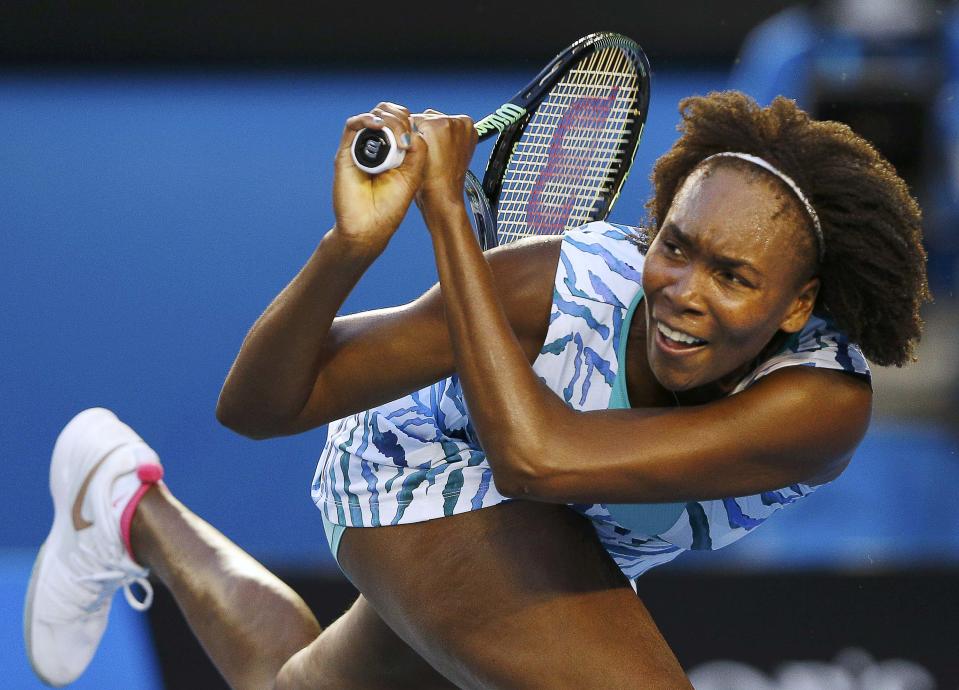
(375, 150)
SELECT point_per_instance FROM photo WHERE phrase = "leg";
(518, 595)
(359, 651)
(250, 623)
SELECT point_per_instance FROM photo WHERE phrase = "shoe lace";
(109, 569)
(105, 582)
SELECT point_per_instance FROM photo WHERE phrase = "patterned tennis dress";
(418, 458)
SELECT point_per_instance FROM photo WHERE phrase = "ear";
(801, 308)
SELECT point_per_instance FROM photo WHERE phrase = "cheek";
(654, 275)
(746, 324)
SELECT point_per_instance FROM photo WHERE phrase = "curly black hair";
(873, 274)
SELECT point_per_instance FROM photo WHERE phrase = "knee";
(299, 672)
(295, 677)
(285, 678)
(326, 665)
(282, 681)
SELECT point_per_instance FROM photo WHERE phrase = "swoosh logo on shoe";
(80, 522)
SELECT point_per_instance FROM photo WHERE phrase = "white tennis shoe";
(98, 467)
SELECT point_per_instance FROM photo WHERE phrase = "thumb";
(416, 155)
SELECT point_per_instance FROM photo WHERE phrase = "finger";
(424, 123)
(358, 122)
(431, 124)
(401, 111)
(399, 123)
(466, 122)
(398, 110)
(416, 155)
(428, 114)
(365, 120)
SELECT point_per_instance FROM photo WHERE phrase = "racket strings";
(587, 148)
(569, 155)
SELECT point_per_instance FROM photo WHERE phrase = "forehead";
(738, 210)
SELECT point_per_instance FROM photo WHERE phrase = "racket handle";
(375, 150)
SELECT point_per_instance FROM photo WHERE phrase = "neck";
(646, 391)
(727, 384)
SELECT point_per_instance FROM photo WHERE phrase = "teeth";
(678, 336)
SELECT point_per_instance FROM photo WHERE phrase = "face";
(727, 271)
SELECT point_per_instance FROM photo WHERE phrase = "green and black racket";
(566, 143)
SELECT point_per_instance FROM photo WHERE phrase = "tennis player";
(641, 400)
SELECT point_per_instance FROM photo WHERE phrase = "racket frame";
(484, 222)
(511, 118)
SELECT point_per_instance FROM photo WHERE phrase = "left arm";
(795, 425)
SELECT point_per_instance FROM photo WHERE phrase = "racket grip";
(375, 150)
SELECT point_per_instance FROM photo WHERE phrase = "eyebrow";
(721, 260)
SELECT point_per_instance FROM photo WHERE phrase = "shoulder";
(819, 345)
(613, 237)
(825, 411)
(525, 269)
(602, 261)
(823, 382)
(598, 261)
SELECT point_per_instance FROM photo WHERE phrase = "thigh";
(359, 651)
(518, 595)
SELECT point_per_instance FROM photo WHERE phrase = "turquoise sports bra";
(646, 519)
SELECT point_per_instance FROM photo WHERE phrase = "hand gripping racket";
(566, 143)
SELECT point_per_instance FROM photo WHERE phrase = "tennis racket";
(566, 143)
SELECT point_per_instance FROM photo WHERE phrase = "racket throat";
(503, 117)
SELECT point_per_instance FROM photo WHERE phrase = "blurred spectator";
(888, 68)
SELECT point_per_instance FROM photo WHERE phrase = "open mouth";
(677, 341)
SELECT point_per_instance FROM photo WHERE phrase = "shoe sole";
(28, 616)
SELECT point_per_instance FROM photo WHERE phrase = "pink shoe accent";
(148, 474)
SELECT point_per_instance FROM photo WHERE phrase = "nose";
(685, 290)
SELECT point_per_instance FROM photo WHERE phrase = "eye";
(735, 279)
(672, 248)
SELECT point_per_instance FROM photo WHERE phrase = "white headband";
(766, 165)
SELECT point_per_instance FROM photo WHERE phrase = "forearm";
(509, 405)
(274, 373)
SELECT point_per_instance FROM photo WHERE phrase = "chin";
(677, 381)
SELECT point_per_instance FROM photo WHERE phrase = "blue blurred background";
(148, 215)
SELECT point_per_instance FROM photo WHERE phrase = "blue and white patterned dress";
(418, 458)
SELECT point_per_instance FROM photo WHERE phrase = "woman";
(782, 249)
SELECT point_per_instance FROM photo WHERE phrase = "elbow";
(529, 484)
(513, 484)
(238, 419)
(525, 474)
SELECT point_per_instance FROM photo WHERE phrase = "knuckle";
(398, 111)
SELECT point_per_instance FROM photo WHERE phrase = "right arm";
(301, 366)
